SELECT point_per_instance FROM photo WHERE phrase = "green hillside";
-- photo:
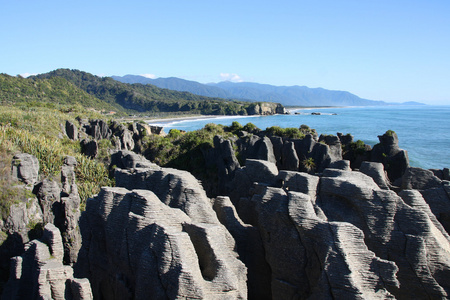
(146, 98)
(47, 92)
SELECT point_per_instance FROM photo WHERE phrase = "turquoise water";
(424, 131)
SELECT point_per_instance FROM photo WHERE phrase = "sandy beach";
(152, 121)
(168, 120)
(165, 121)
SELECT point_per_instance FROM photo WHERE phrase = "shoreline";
(180, 119)
(172, 120)
(177, 119)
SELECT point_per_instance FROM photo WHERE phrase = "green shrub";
(250, 127)
(293, 133)
(358, 147)
(174, 133)
(390, 132)
(235, 127)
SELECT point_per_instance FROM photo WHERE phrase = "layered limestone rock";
(40, 274)
(157, 236)
(436, 192)
(393, 230)
(316, 259)
(341, 235)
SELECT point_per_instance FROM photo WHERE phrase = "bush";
(235, 127)
(390, 132)
(358, 147)
(293, 133)
(250, 127)
(174, 133)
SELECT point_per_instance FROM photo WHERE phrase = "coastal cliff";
(283, 217)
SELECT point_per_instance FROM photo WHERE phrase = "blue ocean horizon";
(423, 130)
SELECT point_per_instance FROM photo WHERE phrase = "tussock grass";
(35, 131)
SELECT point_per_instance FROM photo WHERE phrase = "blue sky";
(380, 50)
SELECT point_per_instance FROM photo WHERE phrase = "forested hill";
(148, 98)
(47, 92)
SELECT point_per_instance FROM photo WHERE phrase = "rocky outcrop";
(129, 160)
(49, 202)
(394, 159)
(25, 167)
(222, 158)
(156, 235)
(71, 131)
(89, 148)
(40, 274)
(341, 235)
(266, 108)
(393, 230)
(435, 192)
(60, 206)
(376, 171)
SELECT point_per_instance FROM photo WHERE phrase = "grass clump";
(309, 164)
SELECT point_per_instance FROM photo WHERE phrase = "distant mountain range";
(248, 91)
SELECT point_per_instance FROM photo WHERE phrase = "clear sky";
(396, 50)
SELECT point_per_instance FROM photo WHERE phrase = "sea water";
(423, 130)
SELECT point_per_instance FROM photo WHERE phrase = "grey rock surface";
(289, 158)
(89, 148)
(98, 129)
(314, 259)
(341, 165)
(40, 274)
(223, 159)
(136, 246)
(175, 188)
(393, 230)
(25, 167)
(71, 131)
(376, 171)
(124, 135)
(255, 147)
(394, 159)
(420, 179)
(128, 160)
(249, 247)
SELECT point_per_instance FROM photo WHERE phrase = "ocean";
(423, 130)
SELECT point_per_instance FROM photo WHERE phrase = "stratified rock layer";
(40, 274)
(160, 240)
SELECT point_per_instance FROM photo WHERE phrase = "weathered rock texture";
(343, 236)
(330, 233)
(40, 274)
(25, 167)
(156, 236)
(124, 137)
(50, 202)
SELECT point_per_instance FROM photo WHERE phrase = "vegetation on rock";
(35, 131)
